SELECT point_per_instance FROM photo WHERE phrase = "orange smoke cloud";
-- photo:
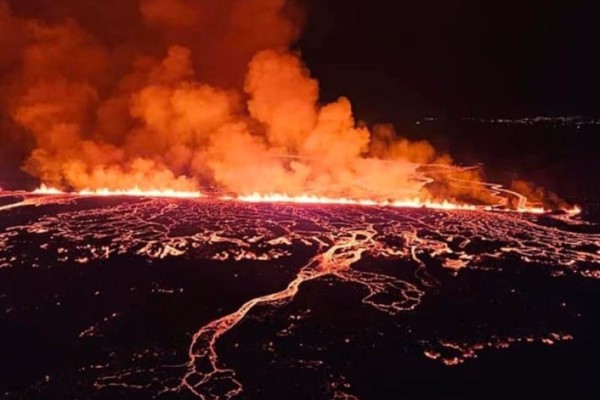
(194, 93)
(536, 194)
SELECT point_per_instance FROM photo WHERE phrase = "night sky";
(456, 58)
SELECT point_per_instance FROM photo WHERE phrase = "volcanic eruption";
(185, 95)
(206, 226)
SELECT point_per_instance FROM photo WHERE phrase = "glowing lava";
(410, 203)
(312, 199)
(389, 258)
(133, 192)
(415, 202)
(137, 192)
(47, 190)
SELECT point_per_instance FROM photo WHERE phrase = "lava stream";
(204, 369)
(345, 244)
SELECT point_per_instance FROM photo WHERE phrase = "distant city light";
(561, 121)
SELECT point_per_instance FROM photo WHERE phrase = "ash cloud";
(182, 94)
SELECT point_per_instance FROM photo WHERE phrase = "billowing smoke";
(183, 94)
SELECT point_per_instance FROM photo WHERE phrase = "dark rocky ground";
(100, 299)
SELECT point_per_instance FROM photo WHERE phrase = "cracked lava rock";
(140, 298)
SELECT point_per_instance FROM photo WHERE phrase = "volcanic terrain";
(139, 298)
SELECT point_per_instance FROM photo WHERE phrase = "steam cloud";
(181, 94)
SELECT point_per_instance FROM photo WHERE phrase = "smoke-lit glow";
(214, 97)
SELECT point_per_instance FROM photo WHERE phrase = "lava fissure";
(502, 203)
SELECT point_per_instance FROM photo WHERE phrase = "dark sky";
(456, 58)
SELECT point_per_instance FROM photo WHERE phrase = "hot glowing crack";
(133, 192)
(523, 206)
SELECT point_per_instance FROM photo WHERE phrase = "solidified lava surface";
(138, 298)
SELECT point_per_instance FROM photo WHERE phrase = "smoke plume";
(183, 94)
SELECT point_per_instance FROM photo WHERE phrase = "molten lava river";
(140, 298)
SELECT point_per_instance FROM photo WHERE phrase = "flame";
(304, 199)
(137, 192)
(408, 203)
(47, 190)
(573, 211)
(531, 210)
(133, 192)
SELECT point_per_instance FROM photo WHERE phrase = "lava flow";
(335, 259)
(390, 258)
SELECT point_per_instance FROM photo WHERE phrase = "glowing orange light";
(303, 199)
(409, 203)
(133, 192)
(47, 190)
(574, 211)
(137, 192)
